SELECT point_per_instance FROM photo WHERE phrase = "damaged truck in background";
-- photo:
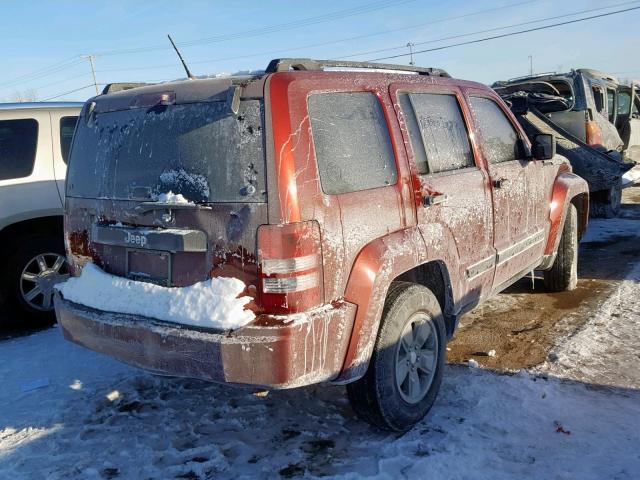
(305, 225)
(596, 121)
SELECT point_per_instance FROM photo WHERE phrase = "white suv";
(34, 147)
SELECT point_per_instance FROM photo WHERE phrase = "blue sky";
(42, 41)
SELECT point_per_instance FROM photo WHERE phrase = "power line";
(69, 92)
(58, 95)
(75, 77)
(331, 42)
(327, 17)
(76, 60)
(451, 37)
(473, 33)
(507, 34)
(40, 73)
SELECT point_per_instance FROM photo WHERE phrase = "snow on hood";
(213, 303)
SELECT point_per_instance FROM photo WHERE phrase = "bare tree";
(28, 95)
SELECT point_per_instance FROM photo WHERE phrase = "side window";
(624, 103)
(611, 104)
(598, 97)
(437, 130)
(67, 127)
(636, 106)
(18, 142)
(352, 142)
(499, 137)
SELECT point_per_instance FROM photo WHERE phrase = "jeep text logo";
(133, 239)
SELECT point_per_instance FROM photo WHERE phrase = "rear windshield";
(200, 150)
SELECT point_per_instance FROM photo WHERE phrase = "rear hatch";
(166, 184)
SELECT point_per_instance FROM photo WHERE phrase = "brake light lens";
(290, 264)
(593, 134)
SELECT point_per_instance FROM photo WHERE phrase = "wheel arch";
(434, 275)
(11, 235)
(401, 255)
(568, 189)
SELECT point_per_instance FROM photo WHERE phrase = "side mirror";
(544, 146)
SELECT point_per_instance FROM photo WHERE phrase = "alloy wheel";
(416, 358)
(38, 278)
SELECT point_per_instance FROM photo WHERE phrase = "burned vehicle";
(308, 225)
(591, 115)
(628, 119)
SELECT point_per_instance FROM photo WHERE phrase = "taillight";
(290, 263)
(593, 134)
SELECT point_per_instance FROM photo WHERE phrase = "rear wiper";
(149, 206)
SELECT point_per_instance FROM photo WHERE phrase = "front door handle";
(499, 183)
(428, 200)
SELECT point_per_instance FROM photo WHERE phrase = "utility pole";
(91, 59)
(411, 45)
(531, 65)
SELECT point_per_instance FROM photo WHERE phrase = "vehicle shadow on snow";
(154, 427)
(10, 327)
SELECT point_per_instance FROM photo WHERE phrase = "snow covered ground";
(632, 176)
(99, 419)
(69, 413)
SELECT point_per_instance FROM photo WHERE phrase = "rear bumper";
(268, 352)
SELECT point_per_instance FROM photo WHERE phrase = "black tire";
(20, 311)
(376, 397)
(607, 203)
(563, 274)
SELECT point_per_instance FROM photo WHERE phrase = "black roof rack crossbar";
(286, 64)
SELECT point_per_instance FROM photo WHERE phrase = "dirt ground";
(523, 323)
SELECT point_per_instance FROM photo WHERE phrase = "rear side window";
(67, 126)
(352, 143)
(438, 130)
(598, 98)
(624, 103)
(611, 104)
(18, 142)
(499, 137)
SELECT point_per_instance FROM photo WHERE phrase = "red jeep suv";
(358, 210)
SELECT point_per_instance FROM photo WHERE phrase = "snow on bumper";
(267, 352)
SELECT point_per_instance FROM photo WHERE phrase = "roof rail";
(119, 87)
(286, 64)
(535, 75)
(598, 74)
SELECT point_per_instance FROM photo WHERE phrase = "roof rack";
(598, 74)
(119, 87)
(535, 75)
(287, 64)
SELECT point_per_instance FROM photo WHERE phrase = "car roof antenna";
(186, 69)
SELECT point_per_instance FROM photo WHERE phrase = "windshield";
(200, 150)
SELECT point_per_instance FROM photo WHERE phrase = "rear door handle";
(499, 183)
(428, 200)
